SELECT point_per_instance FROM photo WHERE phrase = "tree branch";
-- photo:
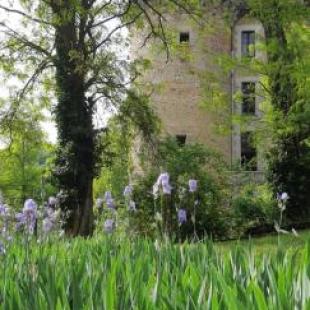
(13, 34)
(108, 37)
(21, 13)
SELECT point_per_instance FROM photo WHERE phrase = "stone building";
(183, 85)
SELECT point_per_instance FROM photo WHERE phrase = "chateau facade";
(184, 95)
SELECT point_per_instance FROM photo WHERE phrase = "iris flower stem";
(4, 286)
(195, 229)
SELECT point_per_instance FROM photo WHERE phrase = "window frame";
(186, 35)
(181, 139)
(248, 104)
(246, 44)
(248, 157)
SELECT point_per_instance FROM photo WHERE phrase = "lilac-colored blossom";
(284, 196)
(282, 200)
(109, 226)
(52, 201)
(163, 182)
(110, 203)
(107, 196)
(163, 179)
(2, 248)
(30, 206)
(128, 191)
(4, 210)
(47, 225)
(192, 185)
(182, 216)
(28, 217)
(49, 220)
(167, 189)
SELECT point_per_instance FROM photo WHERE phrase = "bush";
(254, 206)
(205, 208)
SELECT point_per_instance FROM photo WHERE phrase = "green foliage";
(26, 162)
(287, 46)
(109, 273)
(191, 161)
(254, 206)
(282, 131)
(116, 161)
(134, 118)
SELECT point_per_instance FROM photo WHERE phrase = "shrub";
(254, 206)
(205, 207)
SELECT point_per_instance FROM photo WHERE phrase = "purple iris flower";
(110, 203)
(28, 217)
(163, 182)
(49, 221)
(2, 249)
(127, 191)
(4, 210)
(47, 225)
(52, 201)
(192, 185)
(30, 206)
(283, 196)
(182, 217)
(167, 189)
(109, 226)
(164, 179)
(107, 196)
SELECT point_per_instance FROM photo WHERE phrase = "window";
(181, 139)
(248, 97)
(248, 152)
(184, 37)
(248, 43)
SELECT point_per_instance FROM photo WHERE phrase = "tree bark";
(76, 154)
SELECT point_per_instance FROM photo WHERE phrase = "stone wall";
(179, 83)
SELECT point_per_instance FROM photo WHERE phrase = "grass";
(108, 273)
(270, 242)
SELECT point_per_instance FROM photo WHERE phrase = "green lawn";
(265, 243)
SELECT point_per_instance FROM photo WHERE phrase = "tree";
(74, 41)
(25, 161)
(287, 46)
(285, 88)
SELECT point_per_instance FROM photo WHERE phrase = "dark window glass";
(248, 97)
(181, 139)
(248, 43)
(184, 37)
(248, 152)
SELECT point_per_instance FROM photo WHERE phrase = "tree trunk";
(75, 160)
